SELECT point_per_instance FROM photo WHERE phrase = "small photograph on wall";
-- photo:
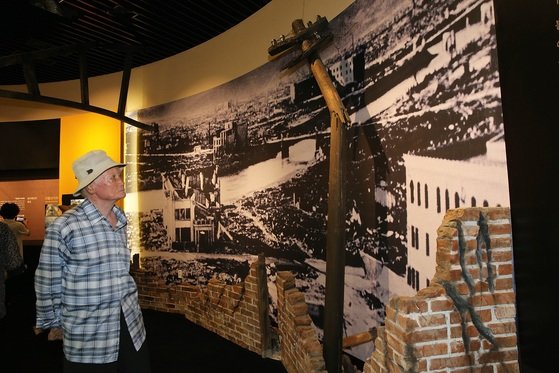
(242, 169)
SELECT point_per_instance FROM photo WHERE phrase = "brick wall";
(465, 320)
(301, 351)
(231, 311)
(239, 313)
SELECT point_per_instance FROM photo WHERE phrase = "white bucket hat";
(90, 165)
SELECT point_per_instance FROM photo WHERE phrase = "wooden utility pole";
(310, 39)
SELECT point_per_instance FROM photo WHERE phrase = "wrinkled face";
(109, 185)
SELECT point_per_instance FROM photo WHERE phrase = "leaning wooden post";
(263, 303)
(335, 239)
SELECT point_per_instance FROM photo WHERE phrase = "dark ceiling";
(51, 40)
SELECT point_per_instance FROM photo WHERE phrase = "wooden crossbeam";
(359, 338)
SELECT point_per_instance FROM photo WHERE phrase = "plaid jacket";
(83, 282)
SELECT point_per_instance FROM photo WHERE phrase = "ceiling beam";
(27, 62)
(84, 78)
(74, 105)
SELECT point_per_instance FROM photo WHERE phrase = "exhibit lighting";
(131, 201)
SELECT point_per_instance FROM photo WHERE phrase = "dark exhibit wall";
(528, 50)
(29, 165)
(30, 150)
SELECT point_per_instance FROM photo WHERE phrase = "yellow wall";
(80, 134)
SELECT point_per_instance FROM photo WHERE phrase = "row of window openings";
(473, 201)
(413, 278)
(415, 240)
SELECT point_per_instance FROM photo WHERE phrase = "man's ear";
(90, 188)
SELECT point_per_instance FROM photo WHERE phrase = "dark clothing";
(9, 259)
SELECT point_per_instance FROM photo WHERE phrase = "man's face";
(109, 185)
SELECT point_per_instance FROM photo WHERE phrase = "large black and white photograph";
(243, 169)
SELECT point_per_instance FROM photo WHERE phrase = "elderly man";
(85, 293)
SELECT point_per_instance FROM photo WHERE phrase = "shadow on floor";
(176, 344)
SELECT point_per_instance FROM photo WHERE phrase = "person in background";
(85, 293)
(9, 259)
(9, 211)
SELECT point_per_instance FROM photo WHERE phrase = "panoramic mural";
(242, 169)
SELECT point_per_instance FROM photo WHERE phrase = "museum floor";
(176, 345)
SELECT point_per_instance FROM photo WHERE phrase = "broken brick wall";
(465, 320)
(301, 351)
(231, 311)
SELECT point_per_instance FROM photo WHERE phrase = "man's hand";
(55, 334)
(38, 331)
